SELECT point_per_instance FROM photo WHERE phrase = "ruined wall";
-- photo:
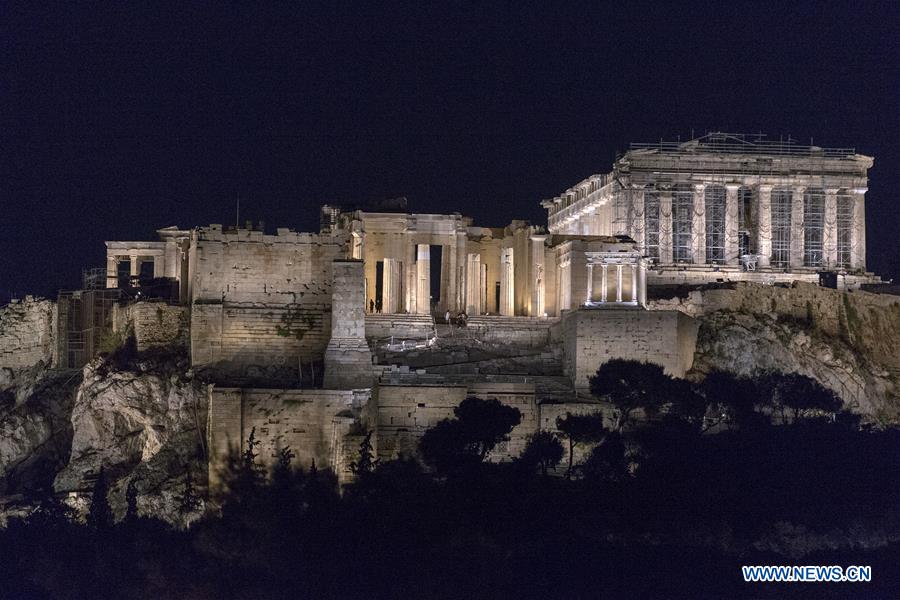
(382, 326)
(261, 303)
(405, 412)
(154, 324)
(592, 337)
(348, 360)
(27, 334)
(530, 332)
(313, 423)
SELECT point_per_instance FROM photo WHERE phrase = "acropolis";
(384, 320)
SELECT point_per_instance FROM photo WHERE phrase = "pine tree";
(366, 462)
(131, 510)
(189, 501)
(100, 515)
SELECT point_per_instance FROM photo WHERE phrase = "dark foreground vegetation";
(659, 510)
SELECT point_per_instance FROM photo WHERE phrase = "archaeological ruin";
(385, 320)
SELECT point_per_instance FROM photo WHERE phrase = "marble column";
(590, 283)
(797, 227)
(423, 279)
(829, 234)
(619, 282)
(731, 225)
(634, 283)
(473, 280)
(391, 286)
(538, 297)
(112, 271)
(507, 283)
(604, 278)
(637, 215)
(764, 225)
(409, 275)
(698, 227)
(858, 232)
(665, 227)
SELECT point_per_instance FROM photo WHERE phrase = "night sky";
(120, 119)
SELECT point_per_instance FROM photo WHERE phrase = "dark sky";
(119, 119)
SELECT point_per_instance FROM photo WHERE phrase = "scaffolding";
(714, 200)
(682, 224)
(83, 318)
(813, 227)
(844, 230)
(781, 227)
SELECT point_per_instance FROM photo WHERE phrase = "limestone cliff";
(144, 423)
(845, 340)
(141, 419)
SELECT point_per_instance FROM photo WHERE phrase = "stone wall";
(405, 412)
(27, 334)
(313, 423)
(348, 360)
(261, 303)
(155, 324)
(530, 332)
(402, 326)
(592, 337)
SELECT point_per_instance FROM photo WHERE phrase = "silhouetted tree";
(580, 429)
(801, 396)
(366, 461)
(467, 439)
(543, 450)
(100, 515)
(189, 500)
(733, 400)
(131, 510)
(607, 461)
(631, 385)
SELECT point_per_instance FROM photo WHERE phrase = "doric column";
(731, 224)
(634, 283)
(452, 283)
(797, 227)
(159, 265)
(409, 275)
(473, 281)
(637, 215)
(507, 283)
(135, 265)
(665, 227)
(698, 227)
(112, 271)
(538, 298)
(390, 286)
(423, 279)
(829, 234)
(603, 282)
(590, 282)
(619, 282)
(858, 232)
(764, 225)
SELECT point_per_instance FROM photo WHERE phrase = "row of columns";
(763, 213)
(135, 258)
(637, 274)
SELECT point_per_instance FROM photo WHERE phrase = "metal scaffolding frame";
(746, 222)
(714, 200)
(782, 199)
(683, 224)
(844, 229)
(813, 227)
(651, 223)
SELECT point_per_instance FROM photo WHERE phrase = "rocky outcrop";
(35, 427)
(845, 340)
(144, 425)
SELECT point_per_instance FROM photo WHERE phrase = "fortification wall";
(27, 334)
(154, 324)
(261, 303)
(592, 337)
(312, 423)
(405, 412)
